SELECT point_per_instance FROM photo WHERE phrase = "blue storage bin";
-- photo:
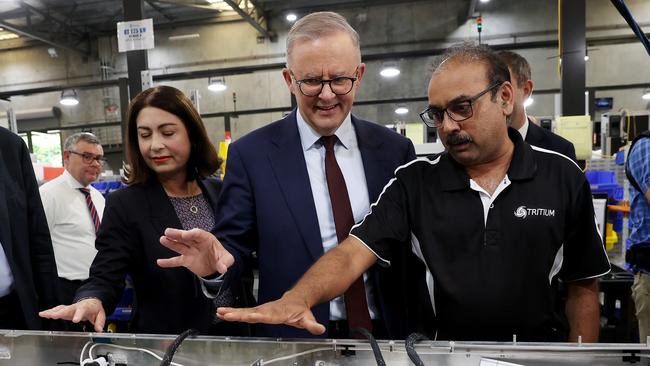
(604, 181)
(620, 158)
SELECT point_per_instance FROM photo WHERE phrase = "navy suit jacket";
(267, 206)
(24, 234)
(546, 139)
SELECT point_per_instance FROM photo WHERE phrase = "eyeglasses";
(312, 87)
(89, 158)
(457, 111)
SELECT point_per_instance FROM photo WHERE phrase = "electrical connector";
(99, 361)
(117, 359)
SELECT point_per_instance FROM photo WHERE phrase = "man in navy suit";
(275, 198)
(522, 86)
(27, 268)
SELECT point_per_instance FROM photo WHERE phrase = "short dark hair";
(518, 64)
(497, 70)
(203, 160)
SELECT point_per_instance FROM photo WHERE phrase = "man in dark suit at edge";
(523, 88)
(282, 189)
(27, 267)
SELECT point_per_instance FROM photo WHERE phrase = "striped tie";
(91, 207)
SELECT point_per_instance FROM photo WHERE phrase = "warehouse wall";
(390, 28)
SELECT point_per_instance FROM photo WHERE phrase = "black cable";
(373, 344)
(171, 350)
(411, 340)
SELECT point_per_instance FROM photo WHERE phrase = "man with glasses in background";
(74, 210)
(493, 218)
(293, 189)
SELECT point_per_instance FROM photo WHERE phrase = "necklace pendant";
(194, 209)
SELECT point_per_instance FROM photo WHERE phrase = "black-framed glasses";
(312, 87)
(89, 158)
(458, 111)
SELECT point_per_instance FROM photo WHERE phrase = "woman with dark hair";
(170, 161)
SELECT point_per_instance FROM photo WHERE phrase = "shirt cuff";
(211, 287)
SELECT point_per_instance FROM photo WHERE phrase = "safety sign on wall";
(135, 35)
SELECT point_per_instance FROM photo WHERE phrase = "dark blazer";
(546, 139)
(167, 300)
(267, 206)
(24, 234)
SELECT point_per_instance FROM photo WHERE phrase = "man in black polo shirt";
(494, 219)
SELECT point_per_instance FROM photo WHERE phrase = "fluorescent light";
(401, 110)
(217, 84)
(389, 71)
(182, 37)
(528, 102)
(646, 95)
(485, 1)
(291, 17)
(69, 97)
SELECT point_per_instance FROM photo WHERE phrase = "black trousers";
(339, 329)
(67, 289)
(11, 313)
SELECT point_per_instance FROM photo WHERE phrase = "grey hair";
(518, 64)
(320, 24)
(497, 70)
(73, 139)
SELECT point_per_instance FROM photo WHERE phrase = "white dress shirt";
(523, 131)
(349, 160)
(6, 277)
(71, 227)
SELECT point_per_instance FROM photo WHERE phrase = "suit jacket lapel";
(5, 229)
(162, 214)
(373, 159)
(288, 163)
(534, 136)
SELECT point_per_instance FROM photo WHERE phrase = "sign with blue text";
(135, 35)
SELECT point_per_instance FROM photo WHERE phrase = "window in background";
(46, 147)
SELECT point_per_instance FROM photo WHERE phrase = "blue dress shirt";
(348, 156)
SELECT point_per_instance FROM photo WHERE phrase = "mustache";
(457, 139)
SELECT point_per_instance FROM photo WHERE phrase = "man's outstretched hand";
(286, 310)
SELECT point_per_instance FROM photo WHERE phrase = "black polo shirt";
(491, 277)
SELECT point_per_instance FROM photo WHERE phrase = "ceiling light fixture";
(646, 94)
(401, 110)
(389, 71)
(69, 97)
(217, 84)
(291, 17)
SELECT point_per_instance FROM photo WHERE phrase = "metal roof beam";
(157, 8)
(67, 27)
(253, 15)
(39, 37)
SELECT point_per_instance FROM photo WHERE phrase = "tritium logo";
(523, 212)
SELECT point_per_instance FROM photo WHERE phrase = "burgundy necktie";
(91, 207)
(356, 305)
